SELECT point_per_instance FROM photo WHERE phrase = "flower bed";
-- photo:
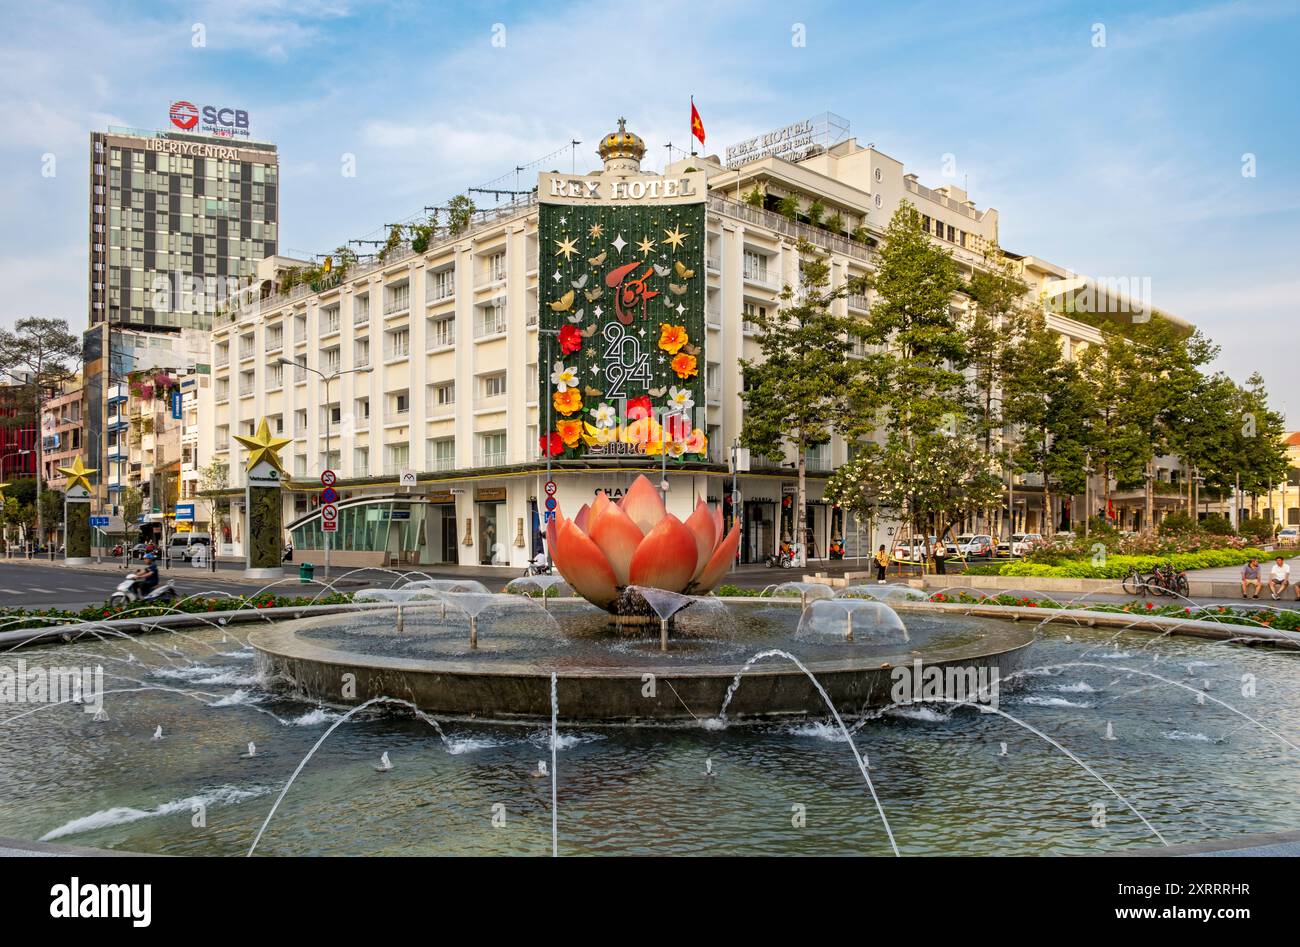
(15, 618)
(1116, 567)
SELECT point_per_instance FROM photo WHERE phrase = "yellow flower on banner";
(569, 431)
(684, 365)
(697, 443)
(672, 338)
(568, 401)
(646, 432)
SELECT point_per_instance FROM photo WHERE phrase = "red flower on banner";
(638, 408)
(570, 339)
(552, 446)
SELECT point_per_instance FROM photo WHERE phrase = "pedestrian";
(1250, 576)
(1279, 577)
(938, 559)
(882, 563)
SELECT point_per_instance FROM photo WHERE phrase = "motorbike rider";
(147, 576)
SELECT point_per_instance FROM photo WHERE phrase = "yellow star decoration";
(595, 231)
(567, 247)
(674, 238)
(646, 246)
(263, 447)
(2, 491)
(78, 474)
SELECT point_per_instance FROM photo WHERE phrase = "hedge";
(1116, 567)
(14, 618)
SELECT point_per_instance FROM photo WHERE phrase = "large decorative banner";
(622, 295)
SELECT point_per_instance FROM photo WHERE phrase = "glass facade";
(410, 532)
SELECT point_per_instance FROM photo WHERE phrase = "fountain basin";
(605, 678)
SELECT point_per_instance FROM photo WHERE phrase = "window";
(713, 380)
(490, 319)
(246, 383)
(331, 360)
(361, 353)
(300, 423)
(329, 320)
(442, 332)
(397, 457)
(750, 310)
(496, 267)
(361, 462)
(442, 285)
(494, 385)
(361, 310)
(491, 449)
(442, 395)
(275, 337)
(399, 403)
(398, 343)
(362, 411)
(441, 453)
(300, 328)
(275, 375)
(331, 414)
(397, 298)
(755, 265)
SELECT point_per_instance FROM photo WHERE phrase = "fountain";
(850, 621)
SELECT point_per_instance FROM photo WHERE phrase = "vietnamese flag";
(697, 126)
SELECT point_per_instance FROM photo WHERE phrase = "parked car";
(185, 545)
(912, 549)
(974, 545)
(1019, 544)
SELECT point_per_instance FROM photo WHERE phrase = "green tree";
(40, 354)
(794, 394)
(755, 197)
(51, 508)
(1110, 380)
(132, 503)
(460, 214)
(213, 482)
(1262, 455)
(788, 207)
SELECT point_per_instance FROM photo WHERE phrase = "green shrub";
(1217, 525)
(1177, 522)
(1116, 567)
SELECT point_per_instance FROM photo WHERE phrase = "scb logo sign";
(185, 115)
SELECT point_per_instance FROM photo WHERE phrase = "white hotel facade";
(438, 352)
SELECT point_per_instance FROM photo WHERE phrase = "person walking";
(1279, 577)
(882, 564)
(1250, 576)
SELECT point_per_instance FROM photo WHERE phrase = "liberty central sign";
(685, 188)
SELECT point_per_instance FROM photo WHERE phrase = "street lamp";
(328, 380)
(1088, 471)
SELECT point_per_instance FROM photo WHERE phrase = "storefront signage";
(441, 496)
(648, 189)
(490, 494)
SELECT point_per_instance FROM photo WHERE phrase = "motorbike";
(784, 559)
(538, 567)
(128, 591)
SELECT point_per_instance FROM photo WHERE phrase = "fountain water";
(665, 604)
(850, 620)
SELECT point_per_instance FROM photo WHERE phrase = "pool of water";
(1195, 771)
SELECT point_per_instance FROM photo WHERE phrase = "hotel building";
(433, 365)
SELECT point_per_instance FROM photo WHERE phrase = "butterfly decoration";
(577, 316)
(591, 392)
(563, 303)
(656, 392)
(676, 290)
(692, 349)
(682, 271)
(593, 294)
(588, 332)
(599, 259)
(661, 270)
(580, 282)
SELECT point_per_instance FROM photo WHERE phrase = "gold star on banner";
(595, 231)
(263, 447)
(646, 246)
(78, 474)
(674, 238)
(568, 247)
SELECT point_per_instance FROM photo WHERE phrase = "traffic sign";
(329, 495)
(99, 522)
(329, 518)
(184, 512)
(406, 478)
(550, 488)
(550, 503)
(328, 478)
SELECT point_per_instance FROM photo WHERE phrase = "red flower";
(638, 408)
(570, 339)
(552, 446)
(1149, 605)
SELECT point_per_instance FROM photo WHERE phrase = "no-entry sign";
(328, 478)
(329, 518)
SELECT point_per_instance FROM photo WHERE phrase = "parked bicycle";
(1163, 580)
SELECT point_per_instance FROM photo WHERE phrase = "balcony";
(713, 264)
(442, 463)
(489, 322)
(857, 303)
(761, 277)
(495, 458)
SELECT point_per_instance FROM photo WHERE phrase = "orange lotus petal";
(584, 566)
(705, 530)
(666, 557)
(618, 538)
(584, 513)
(719, 562)
(644, 505)
(552, 530)
(597, 505)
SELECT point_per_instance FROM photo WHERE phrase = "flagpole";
(692, 138)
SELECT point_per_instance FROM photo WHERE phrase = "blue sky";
(1119, 160)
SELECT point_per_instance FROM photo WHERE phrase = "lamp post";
(328, 380)
(736, 518)
(1088, 471)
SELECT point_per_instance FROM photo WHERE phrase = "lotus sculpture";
(609, 546)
